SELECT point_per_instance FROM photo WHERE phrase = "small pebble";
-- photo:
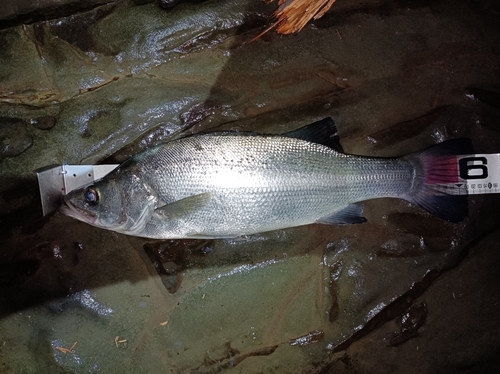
(166, 4)
(44, 122)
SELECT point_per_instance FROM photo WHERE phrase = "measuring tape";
(476, 174)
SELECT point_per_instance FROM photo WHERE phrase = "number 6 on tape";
(477, 174)
(473, 167)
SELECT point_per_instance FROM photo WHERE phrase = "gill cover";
(120, 202)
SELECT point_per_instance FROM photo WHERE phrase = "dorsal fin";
(322, 132)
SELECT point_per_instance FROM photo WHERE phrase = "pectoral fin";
(348, 215)
(184, 207)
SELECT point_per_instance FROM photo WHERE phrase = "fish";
(233, 184)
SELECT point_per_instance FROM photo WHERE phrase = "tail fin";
(434, 167)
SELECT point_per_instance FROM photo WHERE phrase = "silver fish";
(224, 185)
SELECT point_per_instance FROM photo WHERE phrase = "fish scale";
(301, 183)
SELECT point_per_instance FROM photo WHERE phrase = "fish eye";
(91, 196)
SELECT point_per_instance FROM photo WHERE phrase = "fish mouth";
(80, 214)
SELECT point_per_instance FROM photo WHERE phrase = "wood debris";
(67, 350)
(119, 342)
(292, 15)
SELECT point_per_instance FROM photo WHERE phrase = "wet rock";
(77, 29)
(14, 12)
(81, 299)
(460, 333)
(490, 96)
(231, 357)
(406, 129)
(16, 273)
(410, 322)
(431, 226)
(14, 137)
(171, 257)
(310, 338)
(44, 122)
(166, 4)
(334, 311)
